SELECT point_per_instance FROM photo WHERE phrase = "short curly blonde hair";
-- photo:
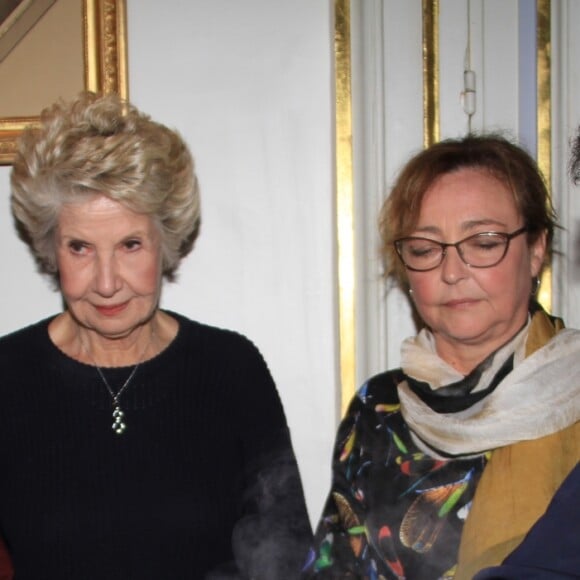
(102, 145)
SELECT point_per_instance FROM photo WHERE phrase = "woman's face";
(473, 311)
(109, 264)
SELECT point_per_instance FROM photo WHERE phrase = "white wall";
(249, 86)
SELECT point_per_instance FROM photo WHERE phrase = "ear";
(537, 254)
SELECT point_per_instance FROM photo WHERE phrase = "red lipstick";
(111, 310)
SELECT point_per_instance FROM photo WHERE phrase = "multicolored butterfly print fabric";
(393, 512)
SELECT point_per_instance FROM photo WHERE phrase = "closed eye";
(423, 251)
(420, 249)
(487, 242)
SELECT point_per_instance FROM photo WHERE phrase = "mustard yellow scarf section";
(518, 482)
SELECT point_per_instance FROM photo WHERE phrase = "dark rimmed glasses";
(482, 250)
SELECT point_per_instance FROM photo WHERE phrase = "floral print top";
(393, 511)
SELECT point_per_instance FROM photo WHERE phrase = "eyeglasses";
(482, 250)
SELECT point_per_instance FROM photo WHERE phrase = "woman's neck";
(464, 357)
(89, 347)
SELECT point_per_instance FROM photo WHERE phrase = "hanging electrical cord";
(468, 94)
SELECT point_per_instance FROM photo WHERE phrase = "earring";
(536, 282)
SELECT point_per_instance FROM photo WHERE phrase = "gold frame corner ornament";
(105, 25)
(105, 63)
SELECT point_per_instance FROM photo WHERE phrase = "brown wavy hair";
(494, 153)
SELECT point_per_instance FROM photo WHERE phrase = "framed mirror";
(56, 48)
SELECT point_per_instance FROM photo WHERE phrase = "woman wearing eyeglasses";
(442, 466)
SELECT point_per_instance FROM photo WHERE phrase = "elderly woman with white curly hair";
(136, 443)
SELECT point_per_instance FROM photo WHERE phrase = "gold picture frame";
(104, 61)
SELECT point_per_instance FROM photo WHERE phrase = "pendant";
(118, 425)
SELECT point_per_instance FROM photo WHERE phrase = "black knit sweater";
(204, 473)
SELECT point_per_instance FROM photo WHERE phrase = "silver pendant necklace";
(119, 426)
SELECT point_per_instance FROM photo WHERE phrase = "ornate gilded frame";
(430, 72)
(105, 64)
(344, 200)
(544, 118)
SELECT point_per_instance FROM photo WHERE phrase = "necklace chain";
(119, 426)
